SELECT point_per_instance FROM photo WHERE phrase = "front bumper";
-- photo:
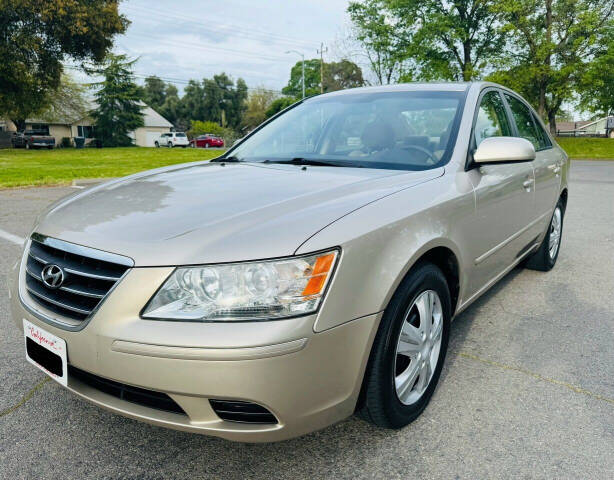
(307, 380)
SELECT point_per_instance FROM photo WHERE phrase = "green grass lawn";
(20, 167)
(587, 148)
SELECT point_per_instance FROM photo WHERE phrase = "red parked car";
(207, 140)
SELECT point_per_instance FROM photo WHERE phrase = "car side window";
(491, 120)
(544, 140)
(524, 121)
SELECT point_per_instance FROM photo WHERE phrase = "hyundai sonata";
(309, 273)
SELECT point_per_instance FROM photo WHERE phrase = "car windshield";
(413, 130)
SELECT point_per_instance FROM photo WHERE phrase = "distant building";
(65, 127)
(603, 127)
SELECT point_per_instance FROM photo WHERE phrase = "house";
(603, 127)
(69, 126)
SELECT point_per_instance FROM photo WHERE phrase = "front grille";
(242, 412)
(88, 276)
(137, 395)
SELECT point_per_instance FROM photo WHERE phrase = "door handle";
(527, 184)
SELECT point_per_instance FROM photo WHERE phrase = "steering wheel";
(432, 157)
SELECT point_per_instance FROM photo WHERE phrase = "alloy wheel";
(418, 347)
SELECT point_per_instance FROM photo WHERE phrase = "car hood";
(210, 212)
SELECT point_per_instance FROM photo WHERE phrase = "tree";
(312, 79)
(596, 85)
(258, 102)
(199, 128)
(119, 104)
(154, 92)
(382, 41)
(171, 107)
(551, 45)
(337, 76)
(279, 105)
(214, 99)
(67, 102)
(449, 40)
(341, 75)
(37, 35)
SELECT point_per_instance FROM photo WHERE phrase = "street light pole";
(302, 68)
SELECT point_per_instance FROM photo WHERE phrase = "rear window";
(180, 134)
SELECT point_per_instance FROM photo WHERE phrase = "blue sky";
(187, 39)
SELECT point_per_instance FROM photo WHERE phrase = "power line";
(225, 28)
(198, 46)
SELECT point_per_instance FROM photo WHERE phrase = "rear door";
(504, 197)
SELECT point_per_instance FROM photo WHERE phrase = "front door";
(548, 161)
(504, 195)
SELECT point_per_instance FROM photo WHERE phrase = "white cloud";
(187, 39)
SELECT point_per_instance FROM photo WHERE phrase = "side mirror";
(504, 149)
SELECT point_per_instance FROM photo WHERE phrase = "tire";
(27, 146)
(193, 145)
(383, 400)
(157, 144)
(545, 257)
(170, 145)
(207, 145)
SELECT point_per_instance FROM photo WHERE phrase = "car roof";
(411, 87)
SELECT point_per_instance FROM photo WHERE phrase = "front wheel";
(206, 145)
(547, 254)
(408, 351)
(157, 144)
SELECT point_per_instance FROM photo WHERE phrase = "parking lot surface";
(527, 390)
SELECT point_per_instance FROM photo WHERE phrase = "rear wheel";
(408, 351)
(545, 258)
(206, 145)
(157, 144)
(170, 145)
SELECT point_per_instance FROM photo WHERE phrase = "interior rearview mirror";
(504, 149)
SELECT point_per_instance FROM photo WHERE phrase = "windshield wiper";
(308, 162)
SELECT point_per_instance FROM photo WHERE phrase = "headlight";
(244, 291)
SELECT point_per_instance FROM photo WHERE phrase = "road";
(527, 390)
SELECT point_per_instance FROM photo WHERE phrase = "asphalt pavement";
(527, 390)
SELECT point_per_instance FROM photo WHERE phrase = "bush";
(199, 128)
(66, 142)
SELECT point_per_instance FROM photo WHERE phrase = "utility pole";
(302, 68)
(322, 51)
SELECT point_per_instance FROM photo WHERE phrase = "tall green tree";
(551, 45)
(36, 36)
(596, 84)
(170, 109)
(449, 40)
(154, 92)
(341, 75)
(337, 76)
(383, 43)
(119, 109)
(312, 79)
